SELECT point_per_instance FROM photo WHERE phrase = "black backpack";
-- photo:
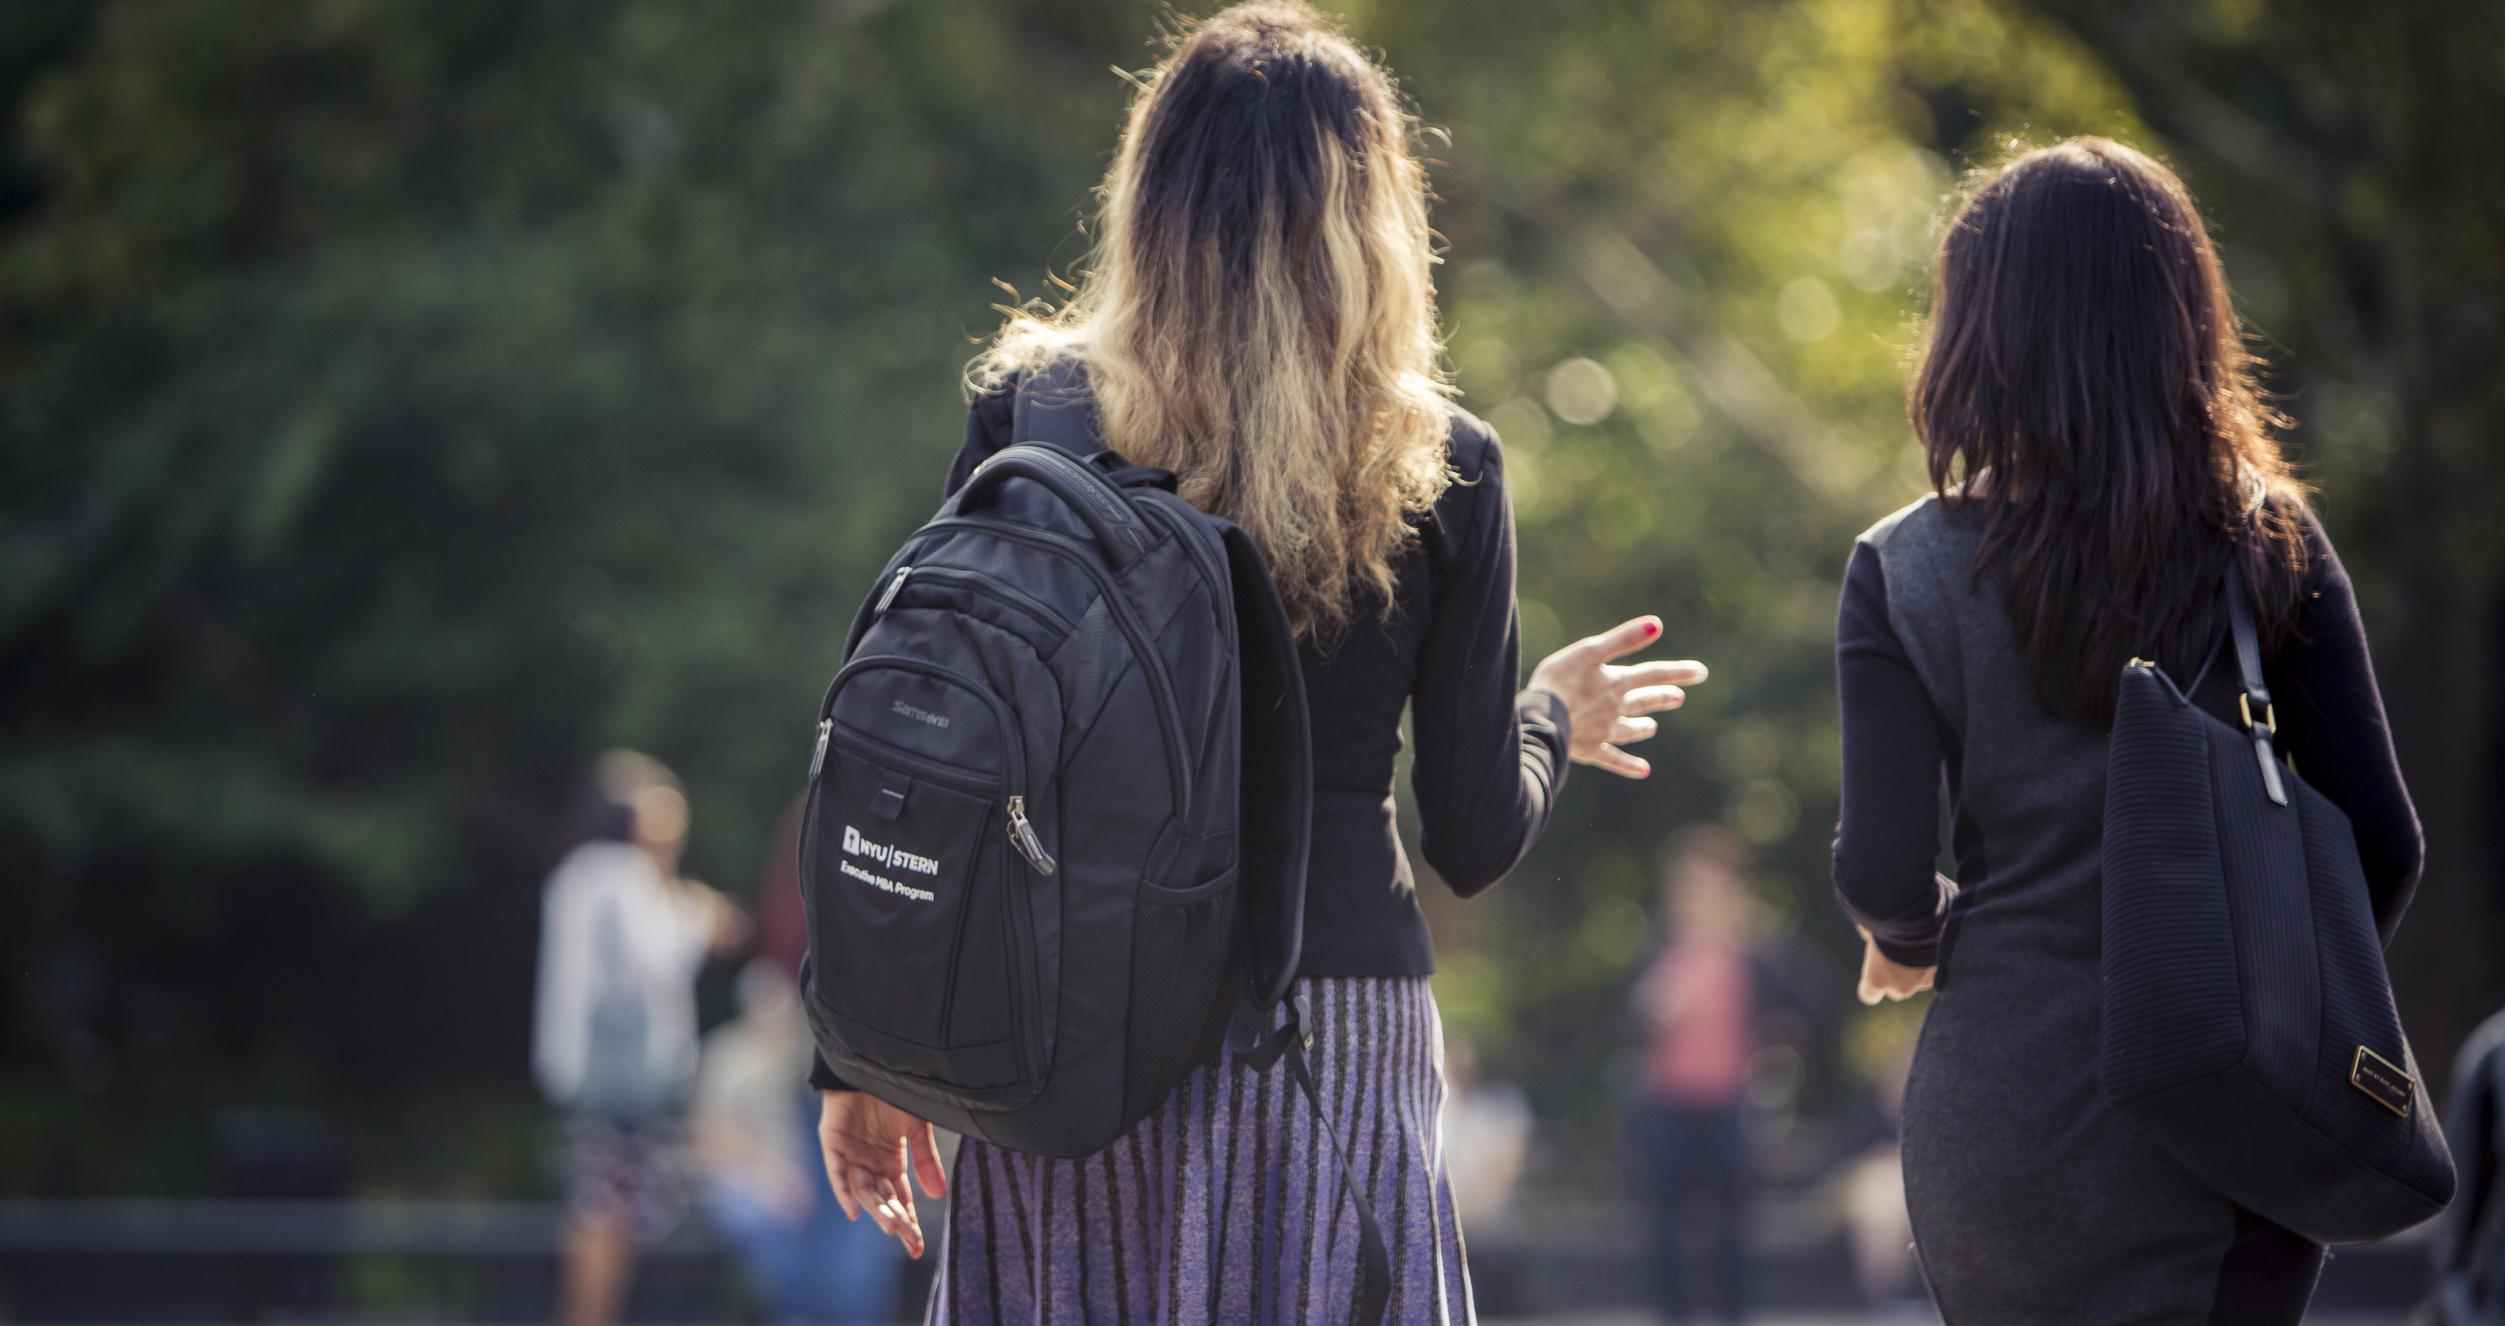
(1059, 806)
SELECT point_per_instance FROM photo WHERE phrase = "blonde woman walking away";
(1258, 319)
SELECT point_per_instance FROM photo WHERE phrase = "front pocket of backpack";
(913, 874)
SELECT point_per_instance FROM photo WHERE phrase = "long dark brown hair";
(2087, 393)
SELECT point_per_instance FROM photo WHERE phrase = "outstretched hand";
(869, 1144)
(1607, 701)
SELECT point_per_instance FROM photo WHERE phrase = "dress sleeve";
(1887, 834)
(1491, 760)
(822, 1077)
(2331, 723)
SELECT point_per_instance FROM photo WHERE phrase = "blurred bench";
(235, 1261)
(1593, 1261)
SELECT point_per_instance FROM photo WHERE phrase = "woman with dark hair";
(2102, 456)
(1258, 318)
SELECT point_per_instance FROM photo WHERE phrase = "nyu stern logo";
(919, 715)
(891, 857)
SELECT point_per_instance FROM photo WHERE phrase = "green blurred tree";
(403, 401)
(399, 402)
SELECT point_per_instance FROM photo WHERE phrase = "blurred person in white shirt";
(622, 938)
(1487, 1134)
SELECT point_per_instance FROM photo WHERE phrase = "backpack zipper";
(1022, 836)
(981, 586)
(937, 771)
(895, 586)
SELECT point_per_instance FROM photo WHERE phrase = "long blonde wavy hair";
(1257, 314)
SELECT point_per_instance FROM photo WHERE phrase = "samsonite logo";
(920, 715)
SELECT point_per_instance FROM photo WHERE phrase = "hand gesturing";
(1607, 701)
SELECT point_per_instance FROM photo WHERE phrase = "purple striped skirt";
(1225, 1204)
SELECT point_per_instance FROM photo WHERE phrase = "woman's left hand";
(1605, 702)
(1883, 977)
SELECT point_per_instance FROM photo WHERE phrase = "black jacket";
(1490, 758)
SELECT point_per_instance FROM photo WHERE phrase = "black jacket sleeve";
(822, 1077)
(2331, 723)
(987, 422)
(1887, 832)
(1491, 760)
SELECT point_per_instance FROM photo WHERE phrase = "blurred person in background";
(1487, 1133)
(1870, 1184)
(753, 1128)
(2470, 1235)
(2103, 458)
(1259, 318)
(782, 919)
(622, 937)
(1697, 1006)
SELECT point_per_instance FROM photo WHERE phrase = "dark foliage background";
(399, 402)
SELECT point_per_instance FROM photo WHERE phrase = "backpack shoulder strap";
(1276, 824)
(1374, 1264)
(1052, 406)
(1276, 831)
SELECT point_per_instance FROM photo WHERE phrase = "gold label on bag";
(2382, 1080)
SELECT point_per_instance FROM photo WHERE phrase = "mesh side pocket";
(1180, 948)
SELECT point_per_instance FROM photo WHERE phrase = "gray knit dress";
(2032, 1200)
(1225, 1205)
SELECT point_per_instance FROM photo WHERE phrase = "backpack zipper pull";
(894, 587)
(1022, 836)
(817, 757)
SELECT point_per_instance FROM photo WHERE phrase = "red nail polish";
(1651, 629)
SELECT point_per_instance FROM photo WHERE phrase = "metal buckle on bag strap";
(2269, 713)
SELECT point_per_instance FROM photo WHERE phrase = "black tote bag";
(2249, 1025)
